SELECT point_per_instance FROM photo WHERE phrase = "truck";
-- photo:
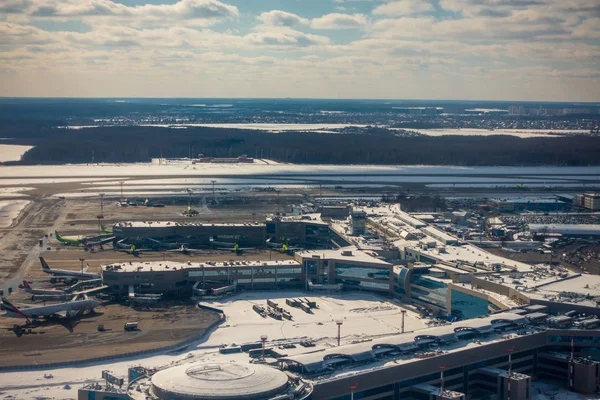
(130, 326)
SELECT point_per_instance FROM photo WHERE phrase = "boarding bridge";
(83, 284)
(95, 290)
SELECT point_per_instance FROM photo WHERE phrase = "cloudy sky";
(404, 49)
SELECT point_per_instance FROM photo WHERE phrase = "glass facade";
(428, 290)
(466, 306)
(401, 283)
(361, 272)
(361, 276)
(311, 267)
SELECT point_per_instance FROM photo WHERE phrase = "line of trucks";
(275, 311)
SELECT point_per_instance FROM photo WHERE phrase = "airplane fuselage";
(54, 309)
(49, 292)
(60, 273)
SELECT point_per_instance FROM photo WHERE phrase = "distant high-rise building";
(591, 201)
(516, 110)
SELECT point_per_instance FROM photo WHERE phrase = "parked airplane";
(69, 242)
(73, 275)
(50, 292)
(69, 309)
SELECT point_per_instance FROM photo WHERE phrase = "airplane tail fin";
(45, 265)
(9, 306)
(87, 266)
(26, 285)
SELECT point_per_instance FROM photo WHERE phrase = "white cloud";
(203, 12)
(404, 7)
(402, 51)
(281, 18)
(339, 21)
(285, 37)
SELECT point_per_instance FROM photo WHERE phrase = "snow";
(522, 133)
(9, 210)
(289, 170)
(12, 152)
(11, 192)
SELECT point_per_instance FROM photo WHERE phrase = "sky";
(546, 50)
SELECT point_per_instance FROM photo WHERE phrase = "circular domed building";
(221, 381)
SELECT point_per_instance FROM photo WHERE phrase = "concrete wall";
(585, 378)
(500, 289)
(84, 394)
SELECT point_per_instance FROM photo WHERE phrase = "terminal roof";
(158, 266)
(346, 254)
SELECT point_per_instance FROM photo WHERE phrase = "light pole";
(263, 339)
(403, 314)
(101, 205)
(213, 183)
(352, 387)
(442, 368)
(510, 350)
(189, 209)
(101, 215)
(82, 260)
(339, 323)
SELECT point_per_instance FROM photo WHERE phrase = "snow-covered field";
(12, 152)
(9, 210)
(522, 133)
(363, 315)
(12, 192)
(280, 170)
(177, 177)
(320, 128)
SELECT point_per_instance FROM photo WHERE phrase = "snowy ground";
(522, 133)
(363, 315)
(12, 192)
(279, 170)
(9, 210)
(12, 152)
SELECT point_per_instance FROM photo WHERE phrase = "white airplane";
(61, 273)
(69, 309)
(50, 292)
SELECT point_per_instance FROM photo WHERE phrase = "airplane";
(48, 292)
(69, 242)
(73, 275)
(69, 309)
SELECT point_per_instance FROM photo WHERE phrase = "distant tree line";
(140, 144)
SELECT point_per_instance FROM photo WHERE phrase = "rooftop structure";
(163, 266)
(350, 254)
(223, 381)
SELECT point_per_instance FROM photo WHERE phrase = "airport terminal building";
(311, 270)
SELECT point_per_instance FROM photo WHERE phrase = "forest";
(141, 144)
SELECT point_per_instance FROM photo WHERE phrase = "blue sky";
(404, 49)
